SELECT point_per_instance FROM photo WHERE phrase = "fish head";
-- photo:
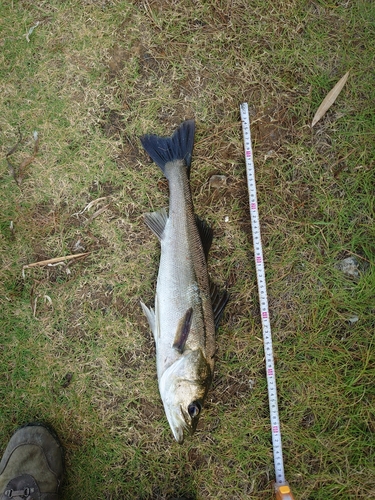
(183, 388)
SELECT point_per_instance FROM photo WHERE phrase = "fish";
(188, 305)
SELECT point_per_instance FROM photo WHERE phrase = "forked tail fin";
(179, 146)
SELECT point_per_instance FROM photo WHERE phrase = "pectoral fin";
(156, 221)
(183, 331)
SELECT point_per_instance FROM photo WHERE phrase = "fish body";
(187, 305)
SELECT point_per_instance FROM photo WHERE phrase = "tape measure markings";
(262, 289)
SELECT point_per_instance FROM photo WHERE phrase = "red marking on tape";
(248, 154)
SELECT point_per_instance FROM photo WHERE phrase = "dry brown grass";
(76, 350)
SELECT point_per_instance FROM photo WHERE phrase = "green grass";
(75, 348)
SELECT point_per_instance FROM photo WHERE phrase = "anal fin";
(156, 221)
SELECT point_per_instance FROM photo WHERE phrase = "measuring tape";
(281, 486)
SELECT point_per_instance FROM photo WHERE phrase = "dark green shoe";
(32, 465)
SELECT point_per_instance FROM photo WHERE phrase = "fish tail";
(179, 146)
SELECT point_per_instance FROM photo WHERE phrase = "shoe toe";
(35, 451)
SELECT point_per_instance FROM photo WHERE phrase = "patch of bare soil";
(129, 155)
(147, 410)
(272, 128)
(229, 389)
(117, 60)
(44, 216)
(112, 123)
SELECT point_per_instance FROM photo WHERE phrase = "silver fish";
(188, 306)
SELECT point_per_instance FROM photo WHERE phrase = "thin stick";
(55, 259)
(98, 212)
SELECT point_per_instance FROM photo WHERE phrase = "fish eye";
(194, 409)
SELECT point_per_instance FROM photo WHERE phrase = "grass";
(76, 350)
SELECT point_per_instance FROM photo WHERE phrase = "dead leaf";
(18, 174)
(23, 167)
(11, 167)
(329, 99)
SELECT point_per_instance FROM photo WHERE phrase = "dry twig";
(55, 260)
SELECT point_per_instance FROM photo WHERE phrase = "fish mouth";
(178, 434)
(180, 422)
